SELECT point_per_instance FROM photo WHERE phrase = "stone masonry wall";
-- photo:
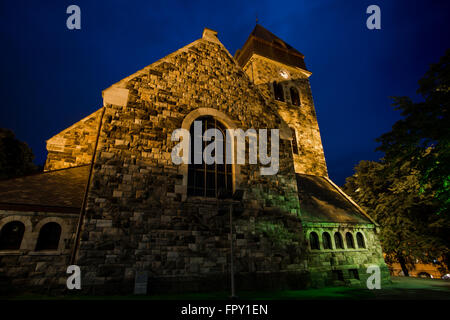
(322, 263)
(311, 159)
(73, 146)
(138, 214)
(27, 269)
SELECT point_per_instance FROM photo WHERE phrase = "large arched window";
(49, 237)
(206, 180)
(338, 242)
(314, 241)
(349, 240)
(326, 241)
(11, 235)
(278, 91)
(295, 97)
(360, 240)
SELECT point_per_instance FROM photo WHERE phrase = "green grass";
(400, 288)
(323, 293)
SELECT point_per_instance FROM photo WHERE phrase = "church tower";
(279, 71)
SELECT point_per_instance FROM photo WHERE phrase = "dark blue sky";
(53, 77)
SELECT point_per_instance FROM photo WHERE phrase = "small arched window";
(294, 141)
(349, 240)
(338, 242)
(326, 241)
(314, 241)
(49, 237)
(11, 235)
(278, 91)
(295, 97)
(360, 240)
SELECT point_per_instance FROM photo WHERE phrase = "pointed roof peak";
(262, 33)
(263, 42)
(210, 35)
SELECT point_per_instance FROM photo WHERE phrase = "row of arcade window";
(338, 241)
(279, 93)
(11, 236)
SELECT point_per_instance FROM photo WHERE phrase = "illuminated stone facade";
(73, 146)
(302, 118)
(138, 216)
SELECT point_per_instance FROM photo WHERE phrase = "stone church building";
(111, 200)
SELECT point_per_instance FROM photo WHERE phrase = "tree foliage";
(423, 135)
(16, 158)
(410, 229)
(408, 192)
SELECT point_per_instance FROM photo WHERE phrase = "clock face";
(284, 74)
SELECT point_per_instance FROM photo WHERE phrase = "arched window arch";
(11, 235)
(338, 242)
(278, 91)
(314, 241)
(295, 97)
(349, 240)
(326, 241)
(206, 180)
(49, 236)
(360, 240)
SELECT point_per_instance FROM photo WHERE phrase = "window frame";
(199, 188)
(316, 241)
(294, 142)
(340, 243)
(349, 236)
(359, 235)
(42, 244)
(278, 91)
(297, 93)
(18, 243)
(329, 242)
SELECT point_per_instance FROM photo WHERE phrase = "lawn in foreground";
(400, 288)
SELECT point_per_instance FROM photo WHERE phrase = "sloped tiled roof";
(263, 42)
(320, 201)
(264, 34)
(52, 191)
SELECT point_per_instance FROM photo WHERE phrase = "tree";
(423, 135)
(410, 229)
(16, 158)
(408, 192)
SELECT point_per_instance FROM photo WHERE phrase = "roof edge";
(208, 35)
(38, 208)
(43, 172)
(74, 124)
(351, 201)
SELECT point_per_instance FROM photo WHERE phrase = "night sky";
(51, 77)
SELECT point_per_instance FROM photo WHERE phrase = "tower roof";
(263, 42)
